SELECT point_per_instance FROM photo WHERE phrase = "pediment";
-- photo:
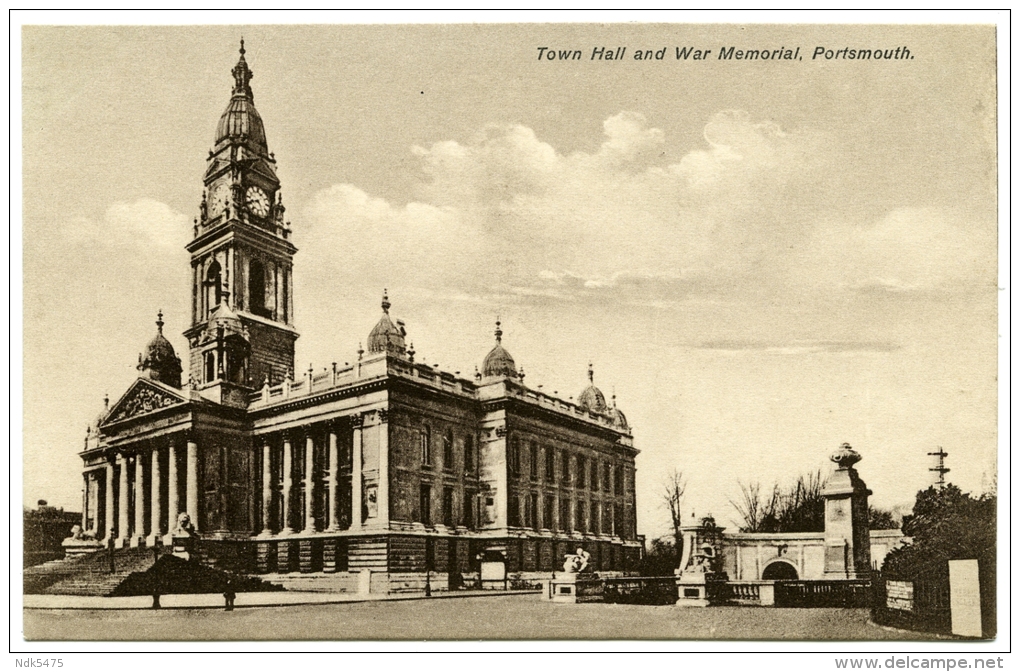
(143, 397)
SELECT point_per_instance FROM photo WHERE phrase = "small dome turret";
(592, 398)
(159, 361)
(385, 335)
(617, 416)
(498, 363)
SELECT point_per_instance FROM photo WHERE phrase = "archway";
(779, 571)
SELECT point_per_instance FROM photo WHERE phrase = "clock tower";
(242, 299)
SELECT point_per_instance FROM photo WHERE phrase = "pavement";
(500, 617)
(215, 600)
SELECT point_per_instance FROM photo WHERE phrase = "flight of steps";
(88, 575)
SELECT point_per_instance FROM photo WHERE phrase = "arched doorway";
(779, 571)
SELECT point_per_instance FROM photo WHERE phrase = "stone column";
(125, 499)
(138, 534)
(267, 490)
(356, 518)
(334, 474)
(288, 485)
(309, 480)
(191, 501)
(108, 501)
(173, 502)
(156, 514)
(383, 496)
(85, 501)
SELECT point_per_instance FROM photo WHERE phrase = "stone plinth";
(74, 548)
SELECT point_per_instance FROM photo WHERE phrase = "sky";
(762, 260)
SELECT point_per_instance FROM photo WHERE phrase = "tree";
(798, 508)
(946, 524)
(882, 519)
(673, 487)
(757, 511)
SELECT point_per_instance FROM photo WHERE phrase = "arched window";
(257, 287)
(213, 286)
(210, 366)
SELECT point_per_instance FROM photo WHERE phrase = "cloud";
(797, 347)
(144, 223)
(506, 211)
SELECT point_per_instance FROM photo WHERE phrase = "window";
(514, 458)
(605, 477)
(448, 507)
(426, 446)
(513, 511)
(565, 466)
(533, 463)
(580, 508)
(564, 525)
(618, 520)
(213, 287)
(448, 450)
(550, 465)
(534, 512)
(582, 468)
(593, 519)
(469, 510)
(469, 454)
(425, 503)
(618, 480)
(210, 366)
(547, 512)
(257, 288)
(596, 474)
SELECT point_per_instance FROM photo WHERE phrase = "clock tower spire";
(242, 313)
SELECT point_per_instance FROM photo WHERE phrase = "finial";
(478, 374)
(242, 75)
(591, 373)
(499, 332)
(614, 397)
(410, 352)
(159, 321)
(385, 302)
(361, 351)
(106, 402)
(520, 374)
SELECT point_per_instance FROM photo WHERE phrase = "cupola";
(591, 398)
(159, 361)
(499, 363)
(385, 335)
(241, 121)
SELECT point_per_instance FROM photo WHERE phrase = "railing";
(851, 594)
(639, 590)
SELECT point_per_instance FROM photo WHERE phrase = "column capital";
(383, 415)
(357, 420)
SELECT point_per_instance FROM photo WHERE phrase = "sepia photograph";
(483, 331)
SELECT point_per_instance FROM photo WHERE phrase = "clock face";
(257, 201)
(220, 197)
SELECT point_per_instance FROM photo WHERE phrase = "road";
(505, 617)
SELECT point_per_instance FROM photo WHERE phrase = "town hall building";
(387, 464)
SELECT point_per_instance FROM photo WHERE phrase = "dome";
(498, 362)
(159, 361)
(386, 336)
(592, 398)
(240, 121)
(617, 416)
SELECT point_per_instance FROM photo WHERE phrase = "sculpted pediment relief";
(141, 398)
